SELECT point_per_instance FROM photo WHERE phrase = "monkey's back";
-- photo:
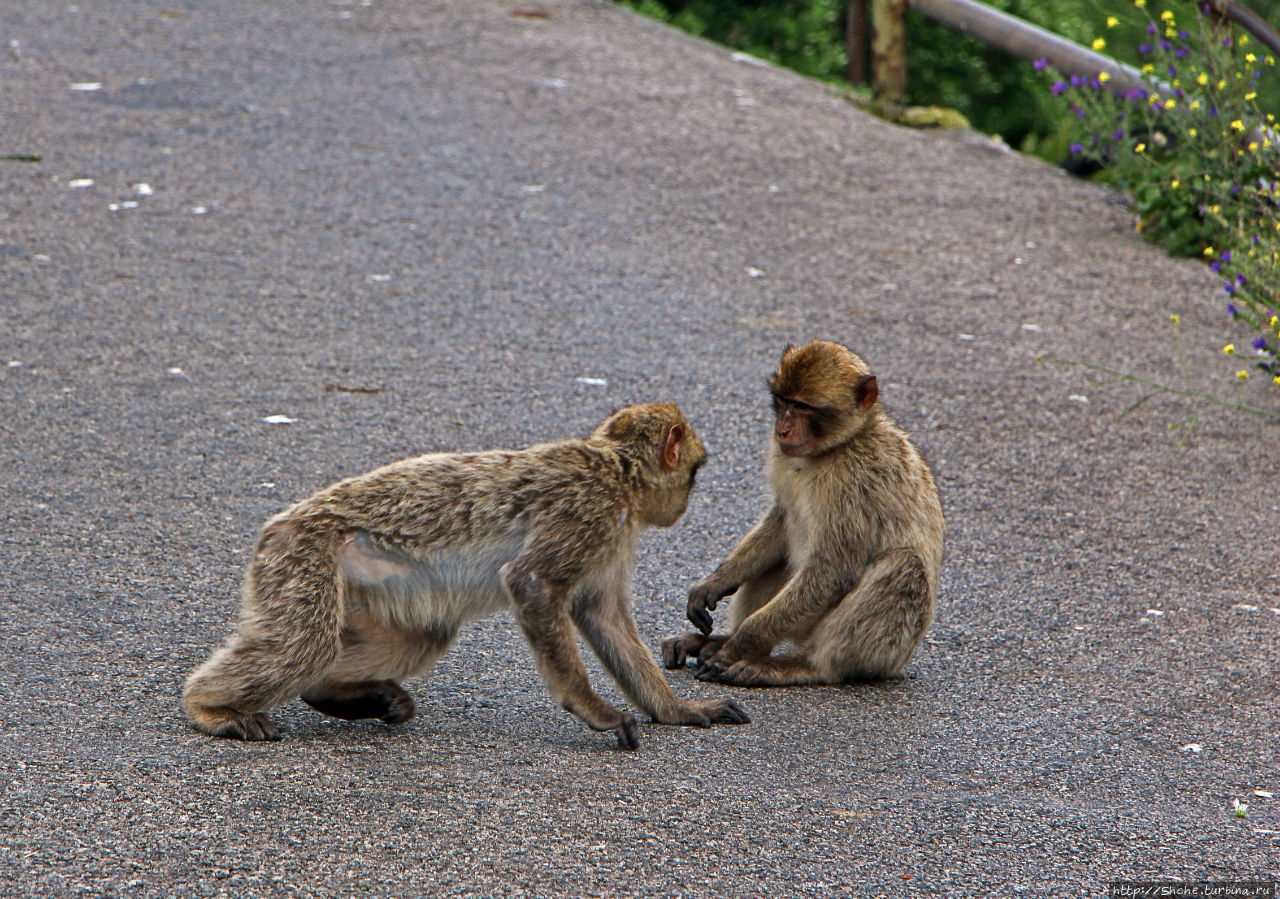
(443, 498)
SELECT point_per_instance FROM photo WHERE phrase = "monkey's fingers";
(699, 617)
(628, 732)
(679, 649)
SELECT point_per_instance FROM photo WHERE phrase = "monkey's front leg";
(606, 623)
(542, 611)
(746, 659)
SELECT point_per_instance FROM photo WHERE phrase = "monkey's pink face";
(797, 428)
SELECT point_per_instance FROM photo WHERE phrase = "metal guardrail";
(887, 25)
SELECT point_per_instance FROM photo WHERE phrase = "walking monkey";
(368, 581)
(845, 564)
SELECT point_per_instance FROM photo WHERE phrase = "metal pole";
(1029, 41)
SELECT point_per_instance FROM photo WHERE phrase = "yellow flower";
(1249, 57)
(1170, 103)
(1253, 146)
(1208, 251)
(1195, 104)
(1244, 39)
(1171, 32)
(1242, 375)
(1275, 320)
(1140, 148)
(1112, 21)
(1222, 84)
(1237, 125)
(1174, 318)
(1148, 69)
(1139, 3)
(1202, 79)
(1103, 77)
(1099, 43)
(1276, 380)
(1229, 349)
(1192, 132)
(1252, 95)
(1174, 184)
(1166, 16)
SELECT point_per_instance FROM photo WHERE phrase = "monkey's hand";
(703, 599)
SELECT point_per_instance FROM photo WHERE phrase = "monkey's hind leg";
(876, 628)
(287, 638)
(362, 684)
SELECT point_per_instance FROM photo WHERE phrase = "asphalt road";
(468, 211)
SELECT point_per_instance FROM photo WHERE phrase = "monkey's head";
(659, 437)
(823, 395)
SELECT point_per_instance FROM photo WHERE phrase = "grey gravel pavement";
(502, 226)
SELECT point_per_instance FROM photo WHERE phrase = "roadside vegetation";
(1197, 151)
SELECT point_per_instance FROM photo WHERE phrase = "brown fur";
(845, 564)
(368, 581)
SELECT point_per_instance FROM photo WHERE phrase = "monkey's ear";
(866, 391)
(671, 449)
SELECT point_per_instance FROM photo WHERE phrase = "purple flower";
(1213, 112)
(1041, 64)
(1117, 134)
(1241, 279)
(1182, 34)
(1151, 28)
(1254, 240)
(1226, 42)
(1059, 87)
(1235, 190)
(1095, 83)
(1215, 266)
(1144, 48)
(1259, 343)
(1230, 288)
(1226, 255)
(1164, 44)
(1076, 148)
(1173, 71)
(1181, 52)
(1076, 81)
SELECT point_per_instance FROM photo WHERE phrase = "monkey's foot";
(779, 672)
(681, 648)
(219, 721)
(382, 699)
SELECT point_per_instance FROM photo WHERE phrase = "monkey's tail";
(291, 621)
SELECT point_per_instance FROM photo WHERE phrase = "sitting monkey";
(845, 564)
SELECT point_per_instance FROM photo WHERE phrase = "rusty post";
(888, 57)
